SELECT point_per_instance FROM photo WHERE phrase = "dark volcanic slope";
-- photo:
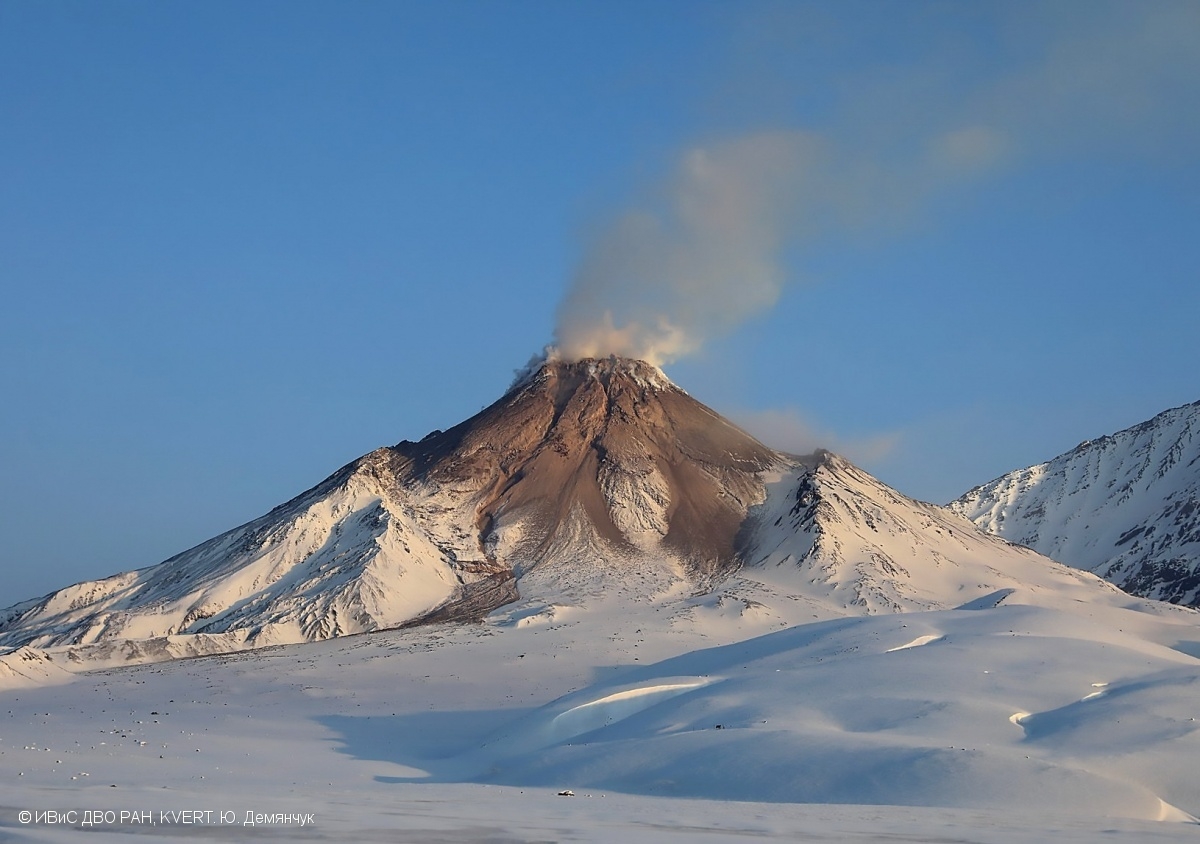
(612, 440)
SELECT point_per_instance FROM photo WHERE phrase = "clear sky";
(243, 243)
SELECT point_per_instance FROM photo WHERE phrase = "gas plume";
(718, 239)
(695, 261)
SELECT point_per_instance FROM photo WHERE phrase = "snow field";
(647, 707)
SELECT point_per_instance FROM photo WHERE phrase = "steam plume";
(704, 252)
(697, 261)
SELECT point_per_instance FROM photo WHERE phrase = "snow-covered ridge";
(322, 565)
(593, 479)
(839, 535)
(1126, 506)
(27, 667)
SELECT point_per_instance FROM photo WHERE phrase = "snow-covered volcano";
(588, 479)
(668, 608)
(1125, 506)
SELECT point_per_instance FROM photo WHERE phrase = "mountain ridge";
(585, 482)
(1125, 505)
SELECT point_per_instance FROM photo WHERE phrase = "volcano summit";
(586, 480)
(597, 458)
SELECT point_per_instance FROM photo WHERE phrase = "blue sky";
(243, 243)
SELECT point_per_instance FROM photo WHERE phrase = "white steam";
(699, 260)
(706, 251)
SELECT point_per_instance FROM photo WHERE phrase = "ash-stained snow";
(1125, 506)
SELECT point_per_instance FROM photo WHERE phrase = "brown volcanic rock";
(610, 444)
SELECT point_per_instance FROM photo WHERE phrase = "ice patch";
(917, 642)
(616, 707)
(1173, 814)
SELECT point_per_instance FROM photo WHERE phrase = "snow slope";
(1016, 721)
(28, 667)
(835, 534)
(1125, 506)
(345, 557)
(854, 711)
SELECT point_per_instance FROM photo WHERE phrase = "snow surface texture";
(1125, 506)
(668, 725)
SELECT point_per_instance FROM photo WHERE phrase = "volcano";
(590, 480)
(597, 458)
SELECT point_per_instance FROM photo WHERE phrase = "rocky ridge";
(1125, 506)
